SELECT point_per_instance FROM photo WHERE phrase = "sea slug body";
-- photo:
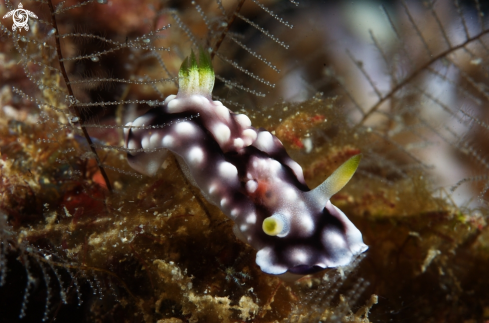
(249, 175)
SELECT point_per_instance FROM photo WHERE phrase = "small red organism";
(296, 127)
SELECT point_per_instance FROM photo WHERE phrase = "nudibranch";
(248, 174)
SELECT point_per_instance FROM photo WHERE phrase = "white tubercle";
(198, 100)
(238, 143)
(223, 113)
(297, 169)
(132, 144)
(213, 188)
(196, 156)
(224, 202)
(168, 141)
(264, 142)
(243, 120)
(142, 121)
(185, 129)
(155, 140)
(228, 170)
(251, 218)
(251, 186)
(234, 213)
(175, 106)
(299, 256)
(145, 142)
(249, 136)
(222, 133)
(169, 98)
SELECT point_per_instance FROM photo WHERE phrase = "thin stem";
(70, 92)
(226, 30)
(416, 73)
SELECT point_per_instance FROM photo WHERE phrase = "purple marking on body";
(248, 174)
